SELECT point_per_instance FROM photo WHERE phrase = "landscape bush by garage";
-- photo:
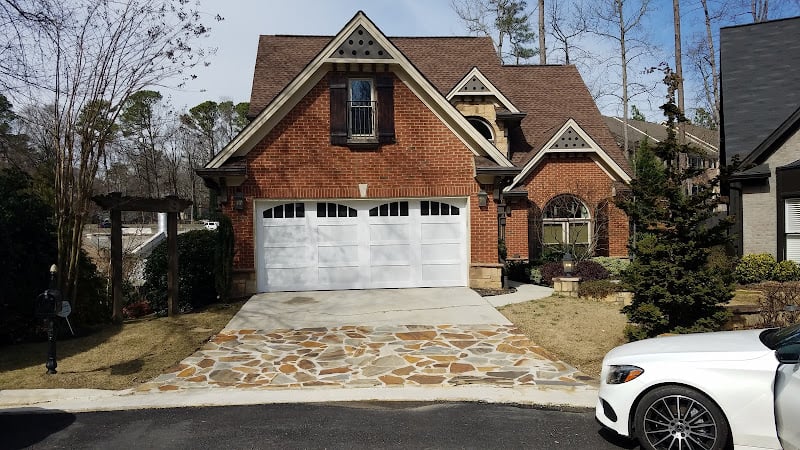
(518, 271)
(195, 272)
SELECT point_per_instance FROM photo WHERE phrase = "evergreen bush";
(195, 272)
(785, 270)
(223, 258)
(598, 289)
(614, 266)
(755, 268)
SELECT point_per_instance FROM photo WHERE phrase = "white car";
(210, 225)
(706, 391)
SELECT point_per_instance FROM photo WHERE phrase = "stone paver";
(368, 356)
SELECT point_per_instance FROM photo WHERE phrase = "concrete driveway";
(369, 307)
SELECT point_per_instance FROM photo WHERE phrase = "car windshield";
(775, 337)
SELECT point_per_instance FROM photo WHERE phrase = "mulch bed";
(490, 292)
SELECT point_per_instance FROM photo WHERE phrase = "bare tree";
(610, 19)
(542, 46)
(676, 14)
(566, 31)
(90, 57)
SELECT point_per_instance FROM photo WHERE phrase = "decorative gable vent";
(473, 86)
(570, 139)
(360, 44)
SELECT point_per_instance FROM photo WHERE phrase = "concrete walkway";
(409, 344)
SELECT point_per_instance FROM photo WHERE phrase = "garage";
(361, 244)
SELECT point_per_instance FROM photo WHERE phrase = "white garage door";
(361, 244)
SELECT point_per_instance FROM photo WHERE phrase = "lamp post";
(52, 292)
(568, 263)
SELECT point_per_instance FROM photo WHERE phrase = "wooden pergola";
(116, 203)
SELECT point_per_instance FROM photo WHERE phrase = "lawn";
(578, 331)
(116, 357)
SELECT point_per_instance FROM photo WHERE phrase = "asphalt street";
(343, 425)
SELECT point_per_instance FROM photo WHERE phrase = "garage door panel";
(340, 255)
(337, 233)
(287, 257)
(440, 231)
(340, 277)
(287, 278)
(285, 234)
(441, 252)
(390, 254)
(384, 276)
(389, 232)
(441, 272)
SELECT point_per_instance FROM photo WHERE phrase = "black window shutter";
(385, 88)
(338, 87)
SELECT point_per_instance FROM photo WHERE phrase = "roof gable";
(476, 83)
(575, 140)
(315, 70)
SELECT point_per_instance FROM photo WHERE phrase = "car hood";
(719, 346)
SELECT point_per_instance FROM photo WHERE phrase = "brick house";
(375, 162)
(760, 112)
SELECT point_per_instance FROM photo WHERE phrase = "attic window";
(483, 127)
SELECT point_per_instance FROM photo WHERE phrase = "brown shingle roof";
(550, 95)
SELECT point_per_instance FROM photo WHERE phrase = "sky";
(230, 74)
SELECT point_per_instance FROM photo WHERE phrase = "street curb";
(87, 400)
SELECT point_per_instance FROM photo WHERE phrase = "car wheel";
(677, 417)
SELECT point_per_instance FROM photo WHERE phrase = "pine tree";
(675, 288)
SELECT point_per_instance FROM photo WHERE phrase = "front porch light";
(482, 198)
(238, 200)
(568, 263)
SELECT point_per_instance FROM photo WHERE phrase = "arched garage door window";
(566, 223)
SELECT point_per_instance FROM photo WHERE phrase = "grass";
(578, 331)
(116, 357)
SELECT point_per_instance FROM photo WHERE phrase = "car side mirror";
(788, 354)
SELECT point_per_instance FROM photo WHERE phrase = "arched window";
(566, 221)
(483, 127)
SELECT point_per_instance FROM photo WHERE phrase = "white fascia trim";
(606, 163)
(475, 72)
(311, 75)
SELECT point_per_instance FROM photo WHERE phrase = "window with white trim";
(483, 127)
(566, 220)
(361, 107)
(792, 229)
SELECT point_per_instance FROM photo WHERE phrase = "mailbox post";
(48, 305)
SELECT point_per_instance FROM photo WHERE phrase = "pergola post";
(116, 265)
(116, 203)
(172, 263)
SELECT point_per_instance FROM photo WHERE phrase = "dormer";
(486, 108)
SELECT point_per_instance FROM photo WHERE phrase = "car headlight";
(623, 374)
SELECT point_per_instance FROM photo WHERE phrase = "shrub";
(518, 271)
(586, 270)
(774, 301)
(223, 258)
(754, 268)
(551, 270)
(536, 275)
(614, 266)
(785, 270)
(598, 289)
(137, 309)
(195, 271)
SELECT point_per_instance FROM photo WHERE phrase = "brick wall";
(296, 161)
(557, 175)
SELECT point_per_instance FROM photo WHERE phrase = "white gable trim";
(299, 87)
(606, 163)
(476, 73)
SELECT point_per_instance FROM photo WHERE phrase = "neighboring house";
(760, 121)
(376, 162)
(704, 142)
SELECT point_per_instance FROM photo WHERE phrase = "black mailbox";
(48, 303)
